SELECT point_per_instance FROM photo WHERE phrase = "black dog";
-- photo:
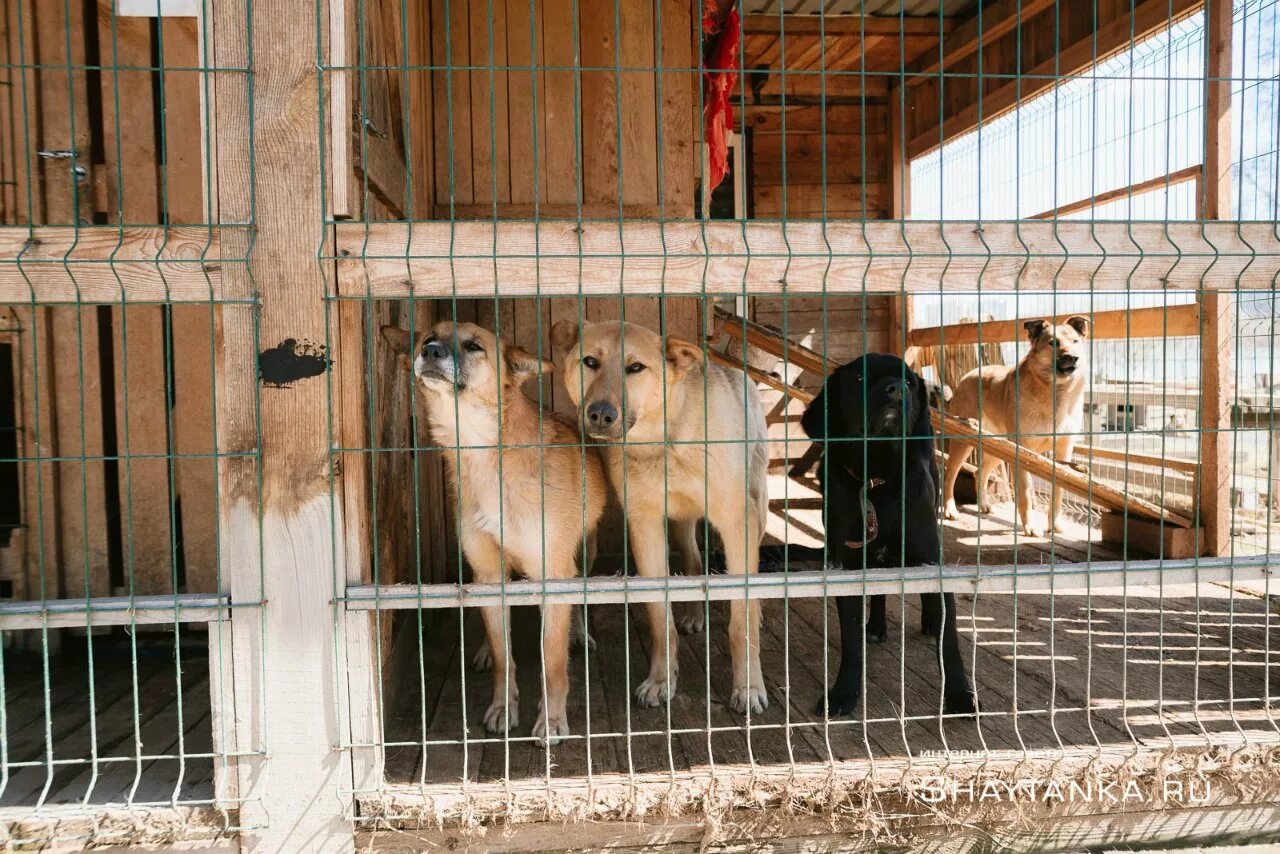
(880, 484)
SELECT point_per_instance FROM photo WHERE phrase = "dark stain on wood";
(291, 360)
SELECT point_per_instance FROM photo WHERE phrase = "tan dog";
(675, 430)
(527, 507)
(1039, 404)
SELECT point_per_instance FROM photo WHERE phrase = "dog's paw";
(963, 703)
(1033, 531)
(930, 628)
(951, 511)
(1058, 527)
(482, 661)
(1079, 466)
(752, 697)
(838, 703)
(877, 635)
(502, 717)
(690, 620)
(985, 507)
(551, 731)
(653, 692)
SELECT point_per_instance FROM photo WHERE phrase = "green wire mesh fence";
(908, 366)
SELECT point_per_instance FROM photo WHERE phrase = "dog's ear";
(523, 364)
(564, 335)
(681, 357)
(401, 344)
(1080, 324)
(824, 411)
(1035, 328)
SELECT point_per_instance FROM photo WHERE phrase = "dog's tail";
(781, 557)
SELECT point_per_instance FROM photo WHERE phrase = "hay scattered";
(77, 829)
(890, 802)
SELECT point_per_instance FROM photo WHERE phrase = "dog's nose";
(896, 390)
(435, 350)
(1066, 359)
(601, 415)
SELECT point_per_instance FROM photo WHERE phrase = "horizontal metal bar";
(115, 611)
(811, 584)
(576, 258)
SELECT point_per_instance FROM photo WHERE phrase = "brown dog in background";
(683, 440)
(1039, 403)
(528, 506)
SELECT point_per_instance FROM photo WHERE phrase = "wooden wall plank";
(140, 349)
(490, 131)
(677, 151)
(598, 107)
(194, 326)
(61, 117)
(451, 93)
(523, 125)
(561, 117)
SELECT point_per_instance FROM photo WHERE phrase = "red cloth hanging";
(721, 76)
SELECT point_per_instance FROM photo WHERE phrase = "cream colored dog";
(1039, 404)
(526, 506)
(684, 441)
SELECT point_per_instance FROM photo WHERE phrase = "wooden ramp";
(1067, 477)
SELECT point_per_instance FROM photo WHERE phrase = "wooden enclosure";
(195, 193)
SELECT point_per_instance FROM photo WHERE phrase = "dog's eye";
(473, 347)
(635, 367)
(591, 363)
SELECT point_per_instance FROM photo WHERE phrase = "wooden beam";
(1217, 338)
(771, 341)
(1066, 477)
(838, 25)
(571, 258)
(284, 648)
(994, 21)
(761, 377)
(1147, 18)
(1191, 173)
(103, 264)
(1175, 321)
(901, 306)
(1121, 455)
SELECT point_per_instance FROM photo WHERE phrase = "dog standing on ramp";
(685, 440)
(528, 494)
(1039, 404)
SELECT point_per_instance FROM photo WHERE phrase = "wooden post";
(1217, 308)
(900, 307)
(281, 545)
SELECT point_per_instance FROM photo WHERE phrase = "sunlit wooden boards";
(559, 258)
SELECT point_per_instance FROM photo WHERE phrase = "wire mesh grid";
(566, 201)
(615, 305)
(117, 600)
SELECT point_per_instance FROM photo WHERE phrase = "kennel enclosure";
(236, 608)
